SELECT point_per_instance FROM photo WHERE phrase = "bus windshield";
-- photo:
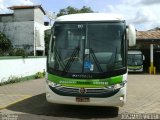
(87, 47)
(135, 59)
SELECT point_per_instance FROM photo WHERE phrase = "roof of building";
(9, 14)
(27, 7)
(154, 29)
(148, 34)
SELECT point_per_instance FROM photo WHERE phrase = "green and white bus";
(135, 61)
(87, 60)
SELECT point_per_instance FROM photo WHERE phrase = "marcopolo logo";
(81, 76)
(82, 90)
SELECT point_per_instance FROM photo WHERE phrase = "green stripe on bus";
(90, 83)
(135, 67)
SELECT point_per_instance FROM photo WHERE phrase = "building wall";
(7, 29)
(39, 36)
(24, 15)
(27, 35)
(21, 34)
(38, 16)
(25, 28)
(39, 29)
(19, 67)
(7, 18)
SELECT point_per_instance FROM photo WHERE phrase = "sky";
(143, 14)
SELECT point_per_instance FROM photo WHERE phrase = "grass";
(13, 79)
(20, 57)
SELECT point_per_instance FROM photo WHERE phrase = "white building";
(25, 27)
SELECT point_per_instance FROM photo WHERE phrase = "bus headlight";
(117, 86)
(52, 84)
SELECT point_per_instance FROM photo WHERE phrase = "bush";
(5, 44)
(39, 75)
(18, 52)
(11, 79)
(15, 79)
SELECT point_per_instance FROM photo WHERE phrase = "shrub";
(18, 52)
(15, 79)
(39, 75)
(11, 79)
(5, 44)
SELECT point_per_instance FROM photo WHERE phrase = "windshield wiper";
(71, 60)
(60, 62)
(95, 60)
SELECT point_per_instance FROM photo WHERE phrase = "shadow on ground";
(39, 106)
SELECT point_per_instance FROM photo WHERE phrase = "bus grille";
(88, 92)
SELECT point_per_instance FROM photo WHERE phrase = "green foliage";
(18, 52)
(72, 10)
(5, 44)
(14, 79)
(85, 9)
(6, 48)
(47, 39)
(39, 75)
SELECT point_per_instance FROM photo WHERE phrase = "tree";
(5, 44)
(72, 10)
(85, 9)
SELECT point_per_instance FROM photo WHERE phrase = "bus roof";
(91, 17)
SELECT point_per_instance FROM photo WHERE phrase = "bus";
(87, 60)
(135, 61)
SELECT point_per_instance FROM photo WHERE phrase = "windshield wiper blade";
(95, 60)
(60, 62)
(71, 60)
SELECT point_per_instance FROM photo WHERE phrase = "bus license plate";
(82, 99)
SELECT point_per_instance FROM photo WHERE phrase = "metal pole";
(152, 68)
(151, 54)
(34, 43)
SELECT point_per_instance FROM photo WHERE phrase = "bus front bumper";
(135, 70)
(118, 99)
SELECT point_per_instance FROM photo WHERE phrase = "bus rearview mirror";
(143, 57)
(131, 35)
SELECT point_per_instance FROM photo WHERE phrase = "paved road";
(27, 100)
